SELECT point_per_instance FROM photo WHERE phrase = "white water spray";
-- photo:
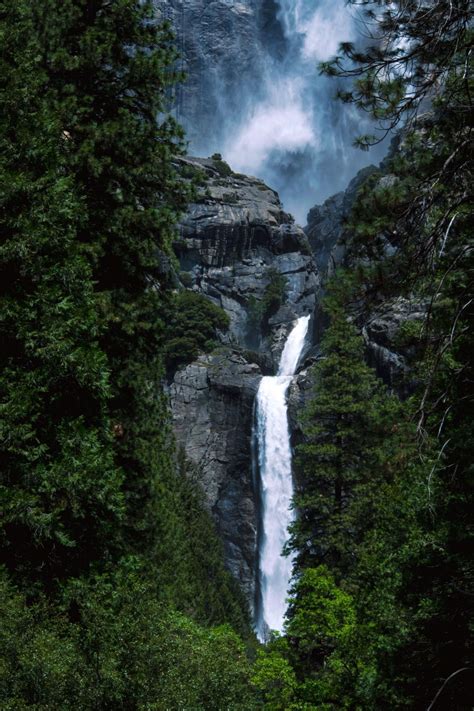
(276, 484)
(294, 134)
(255, 95)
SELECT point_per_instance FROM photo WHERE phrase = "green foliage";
(61, 487)
(274, 296)
(320, 615)
(433, 263)
(274, 680)
(192, 328)
(113, 593)
(350, 440)
(193, 578)
(186, 279)
(409, 334)
(275, 293)
(96, 517)
(223, 168)
(197, 176)
(309, 667)
(387, 490)
(123, 650)
(411, 51)
(363, 511)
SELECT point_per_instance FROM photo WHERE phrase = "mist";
(262, 103)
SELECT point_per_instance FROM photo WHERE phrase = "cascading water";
(294, 134)
(254, 93)
(276, 485)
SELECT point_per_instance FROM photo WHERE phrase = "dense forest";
(114, 592)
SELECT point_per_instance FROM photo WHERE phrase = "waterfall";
(276, 484)
(293, 133)
(253, 92)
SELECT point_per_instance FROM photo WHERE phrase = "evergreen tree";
(129, 652)
(109, 70)
(411, 48)
(62, 497)
(97, 521)
(362, 523)
(425, 61)
(349, 440)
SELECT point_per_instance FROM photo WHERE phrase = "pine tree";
(348, 442)
(409, 52)
(109, 68)
(90, 202)
(415, 577)
(361, 529)
(61, 488)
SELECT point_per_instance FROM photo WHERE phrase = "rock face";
(212, 401)
(388, 349)
(232, 242)
(251, 91)
(220, 47)
(325, 226)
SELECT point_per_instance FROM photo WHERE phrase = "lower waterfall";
(273, 454)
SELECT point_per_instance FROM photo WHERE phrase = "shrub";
(192, 328)
(260, 311)
(223, 168)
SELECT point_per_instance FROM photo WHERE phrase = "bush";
(124, 650)
(223, 168)
(192, 328)
(186, 279)
(259, 312)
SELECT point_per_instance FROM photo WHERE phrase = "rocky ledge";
(232, 240)
(212, 403)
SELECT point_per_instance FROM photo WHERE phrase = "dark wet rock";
(382, 326)
(325, 226)
(220, 47)
(390, 349)
(299, 394)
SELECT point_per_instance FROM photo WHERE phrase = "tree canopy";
(104, 602)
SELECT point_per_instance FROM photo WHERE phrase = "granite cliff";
(220, 47)
(234, 240)
(381, 324)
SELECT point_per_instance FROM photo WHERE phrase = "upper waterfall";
(253, 92)
(276, 484)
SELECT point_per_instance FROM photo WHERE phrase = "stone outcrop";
(388, 351)
(220, 50)
(232, 239)
(325, 227)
